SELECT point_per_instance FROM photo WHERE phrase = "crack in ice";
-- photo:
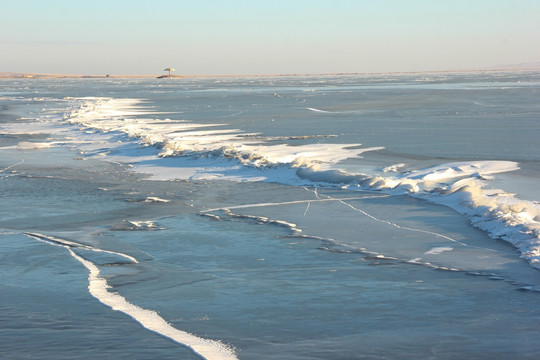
(150, 319)
(342, 200)
(289, 203)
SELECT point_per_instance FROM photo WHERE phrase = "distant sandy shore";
(8, 75)
(12, 75)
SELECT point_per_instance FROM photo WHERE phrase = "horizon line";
(18, 75)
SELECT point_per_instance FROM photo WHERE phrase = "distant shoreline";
(29, 75)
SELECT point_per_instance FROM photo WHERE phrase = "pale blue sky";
(265, 37)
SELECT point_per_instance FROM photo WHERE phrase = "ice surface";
(270, 227)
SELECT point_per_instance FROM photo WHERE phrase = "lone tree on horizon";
(169, 69)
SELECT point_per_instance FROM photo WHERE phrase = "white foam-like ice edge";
(178, 137)
(500, 214)
(229, 154)
(99, 288)
(461, 186)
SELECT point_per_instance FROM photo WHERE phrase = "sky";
(265, 36)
